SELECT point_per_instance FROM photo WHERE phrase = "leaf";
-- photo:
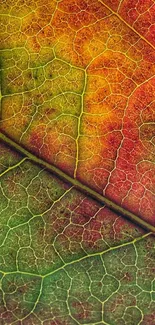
(66, 259)
(76, 132)
(80, 81)
(138, 14)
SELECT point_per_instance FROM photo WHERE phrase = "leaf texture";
(138, 14)
(77, 92)
(66, 259)
(80, 81)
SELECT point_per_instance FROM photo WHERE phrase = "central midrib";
(78, 185)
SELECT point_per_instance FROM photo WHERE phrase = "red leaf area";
(95, 116)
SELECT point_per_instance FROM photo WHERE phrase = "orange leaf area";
(78, 90)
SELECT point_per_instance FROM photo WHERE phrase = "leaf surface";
(77, 97)
(138, 14)
(80, 81)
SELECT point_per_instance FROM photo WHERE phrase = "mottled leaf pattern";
(77, 91)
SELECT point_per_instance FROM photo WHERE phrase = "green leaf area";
(66, 259)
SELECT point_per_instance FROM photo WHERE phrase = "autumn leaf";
(77, 212)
